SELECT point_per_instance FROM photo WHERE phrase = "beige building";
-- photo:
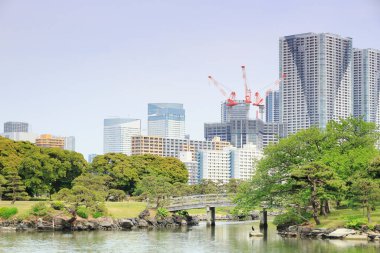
(49, 141)
(169, 147)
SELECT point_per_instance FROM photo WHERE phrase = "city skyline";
(45, 55)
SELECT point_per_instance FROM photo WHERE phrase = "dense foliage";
(309, 170)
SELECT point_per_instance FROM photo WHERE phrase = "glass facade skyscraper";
(166, 120)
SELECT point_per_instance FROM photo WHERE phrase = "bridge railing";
(199, 200)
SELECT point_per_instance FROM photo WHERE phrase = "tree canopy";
(313, 167)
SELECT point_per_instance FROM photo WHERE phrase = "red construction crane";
(259, 102)
(248, 92)
(231, 100)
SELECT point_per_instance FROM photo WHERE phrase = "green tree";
(15, 189)
(155, 188)
(318, 181)
(3, 181)
(367, 192)
(344, 148)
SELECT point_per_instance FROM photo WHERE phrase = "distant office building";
(272, 106)
(367, 84)
(244, 161)
(170, 147)
(245, 131)
(166, 120)
(214, 165)
(237, 132)
(16, 127)
(221, 130)
(318, 86)
(241, 132)
(118, 134)
(91, 157)
(21, 136)
(49, 141)
(237, 112)
(192, 166)
(271, 133)
(69, 143)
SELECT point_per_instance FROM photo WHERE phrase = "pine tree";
(14, 188)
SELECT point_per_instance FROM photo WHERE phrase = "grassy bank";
(339, 217)
(116, 209)
(218, 211)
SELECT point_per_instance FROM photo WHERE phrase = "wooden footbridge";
(208, 201)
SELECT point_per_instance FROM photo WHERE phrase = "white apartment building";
(244, 160)
(118, 134)
(367, 84)
(192, 166)
(231, 162)
(318, 83)
(215, 165)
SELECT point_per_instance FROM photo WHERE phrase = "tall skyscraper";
(318, 85)
(367, 84)
(237, 112)
(118, 134)
(272, 106)
(166, 120)
(13, 127)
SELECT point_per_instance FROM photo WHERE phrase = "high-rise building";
(192, 166)
(50, 141)
(231, 162)
(13, 127)
(318, 85)
(221, 130)
(367, 84)
(237, 112)
(118, 134)
(91, 157)
(271, 133)
(69, 143)
(214, 165)
(272, 106)
(166, 120)
(244, 160)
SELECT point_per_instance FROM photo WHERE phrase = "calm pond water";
(225, 237)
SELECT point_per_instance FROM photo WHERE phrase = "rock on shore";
(64, 223)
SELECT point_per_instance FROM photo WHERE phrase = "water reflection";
(224, 237)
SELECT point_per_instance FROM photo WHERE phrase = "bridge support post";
(210, 211)
(264, 219)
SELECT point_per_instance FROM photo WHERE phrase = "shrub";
(97, 215)
(116, 195)
(291, 218)
(355, 222)
(162, 212)
(57, 205)
(7, 212)
(39, 209)
(182, 213)
(83, 212)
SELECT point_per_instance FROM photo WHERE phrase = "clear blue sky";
(66, 65)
